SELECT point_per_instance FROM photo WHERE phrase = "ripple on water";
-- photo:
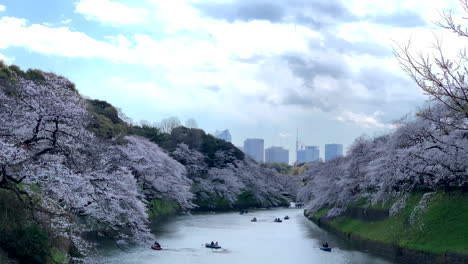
(293, 241)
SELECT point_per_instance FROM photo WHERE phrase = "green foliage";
(35, 75)
(13, 214)
(158, 208)
(152, 133)
(9, 72)
(105, 120)
(245, 200)
(28, 245)
(213, 203)
(282, 168)
(58, 256)
(440, 228)
(217, 203)
(17, 71)
(5, 72)
(321, 213)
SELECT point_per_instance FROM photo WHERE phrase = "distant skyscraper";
(300, 156)
(254, 148)
(308, 154)
(332, 151)
(276, 155)
(312, 153)
(223, 135)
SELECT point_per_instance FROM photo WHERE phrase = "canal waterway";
(296, 240)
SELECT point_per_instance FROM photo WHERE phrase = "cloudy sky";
(259, 68)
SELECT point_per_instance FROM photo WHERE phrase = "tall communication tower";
(297, 140)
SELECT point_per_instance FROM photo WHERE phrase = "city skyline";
(310, 153)
(315, 150)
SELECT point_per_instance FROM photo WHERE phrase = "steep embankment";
(431, 228)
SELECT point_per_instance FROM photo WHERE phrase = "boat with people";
(286, 217)
(156, 248)
(278, 220)
(212, 245)
(325, 247)
(253, 219)
(298, 205)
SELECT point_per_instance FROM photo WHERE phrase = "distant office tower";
(308, 154)
(332, 151)
(301, 156)
(223, 135)
(312, 153)
(276, 155)
(254, 148)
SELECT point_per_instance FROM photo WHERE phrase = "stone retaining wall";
(391, 251)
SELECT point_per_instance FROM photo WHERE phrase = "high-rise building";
(225, 135)
(332, 151)
(254, 148)
(276, 155)
(308, 154)
(300, 156)
(312, 153)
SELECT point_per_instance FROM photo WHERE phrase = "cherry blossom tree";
(420, 154)
(45, 144)
(229, 177)
(159, 176)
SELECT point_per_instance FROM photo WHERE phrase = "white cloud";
(363, 120)
(53, 41)
(2, 8)
(285, 134)
(110, 12)
(196, 52)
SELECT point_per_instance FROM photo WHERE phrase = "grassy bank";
(441, 227)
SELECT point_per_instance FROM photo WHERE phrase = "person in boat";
(216, 244)
(156, 244)
(254, 219)
(325, 245)
(212, 243)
